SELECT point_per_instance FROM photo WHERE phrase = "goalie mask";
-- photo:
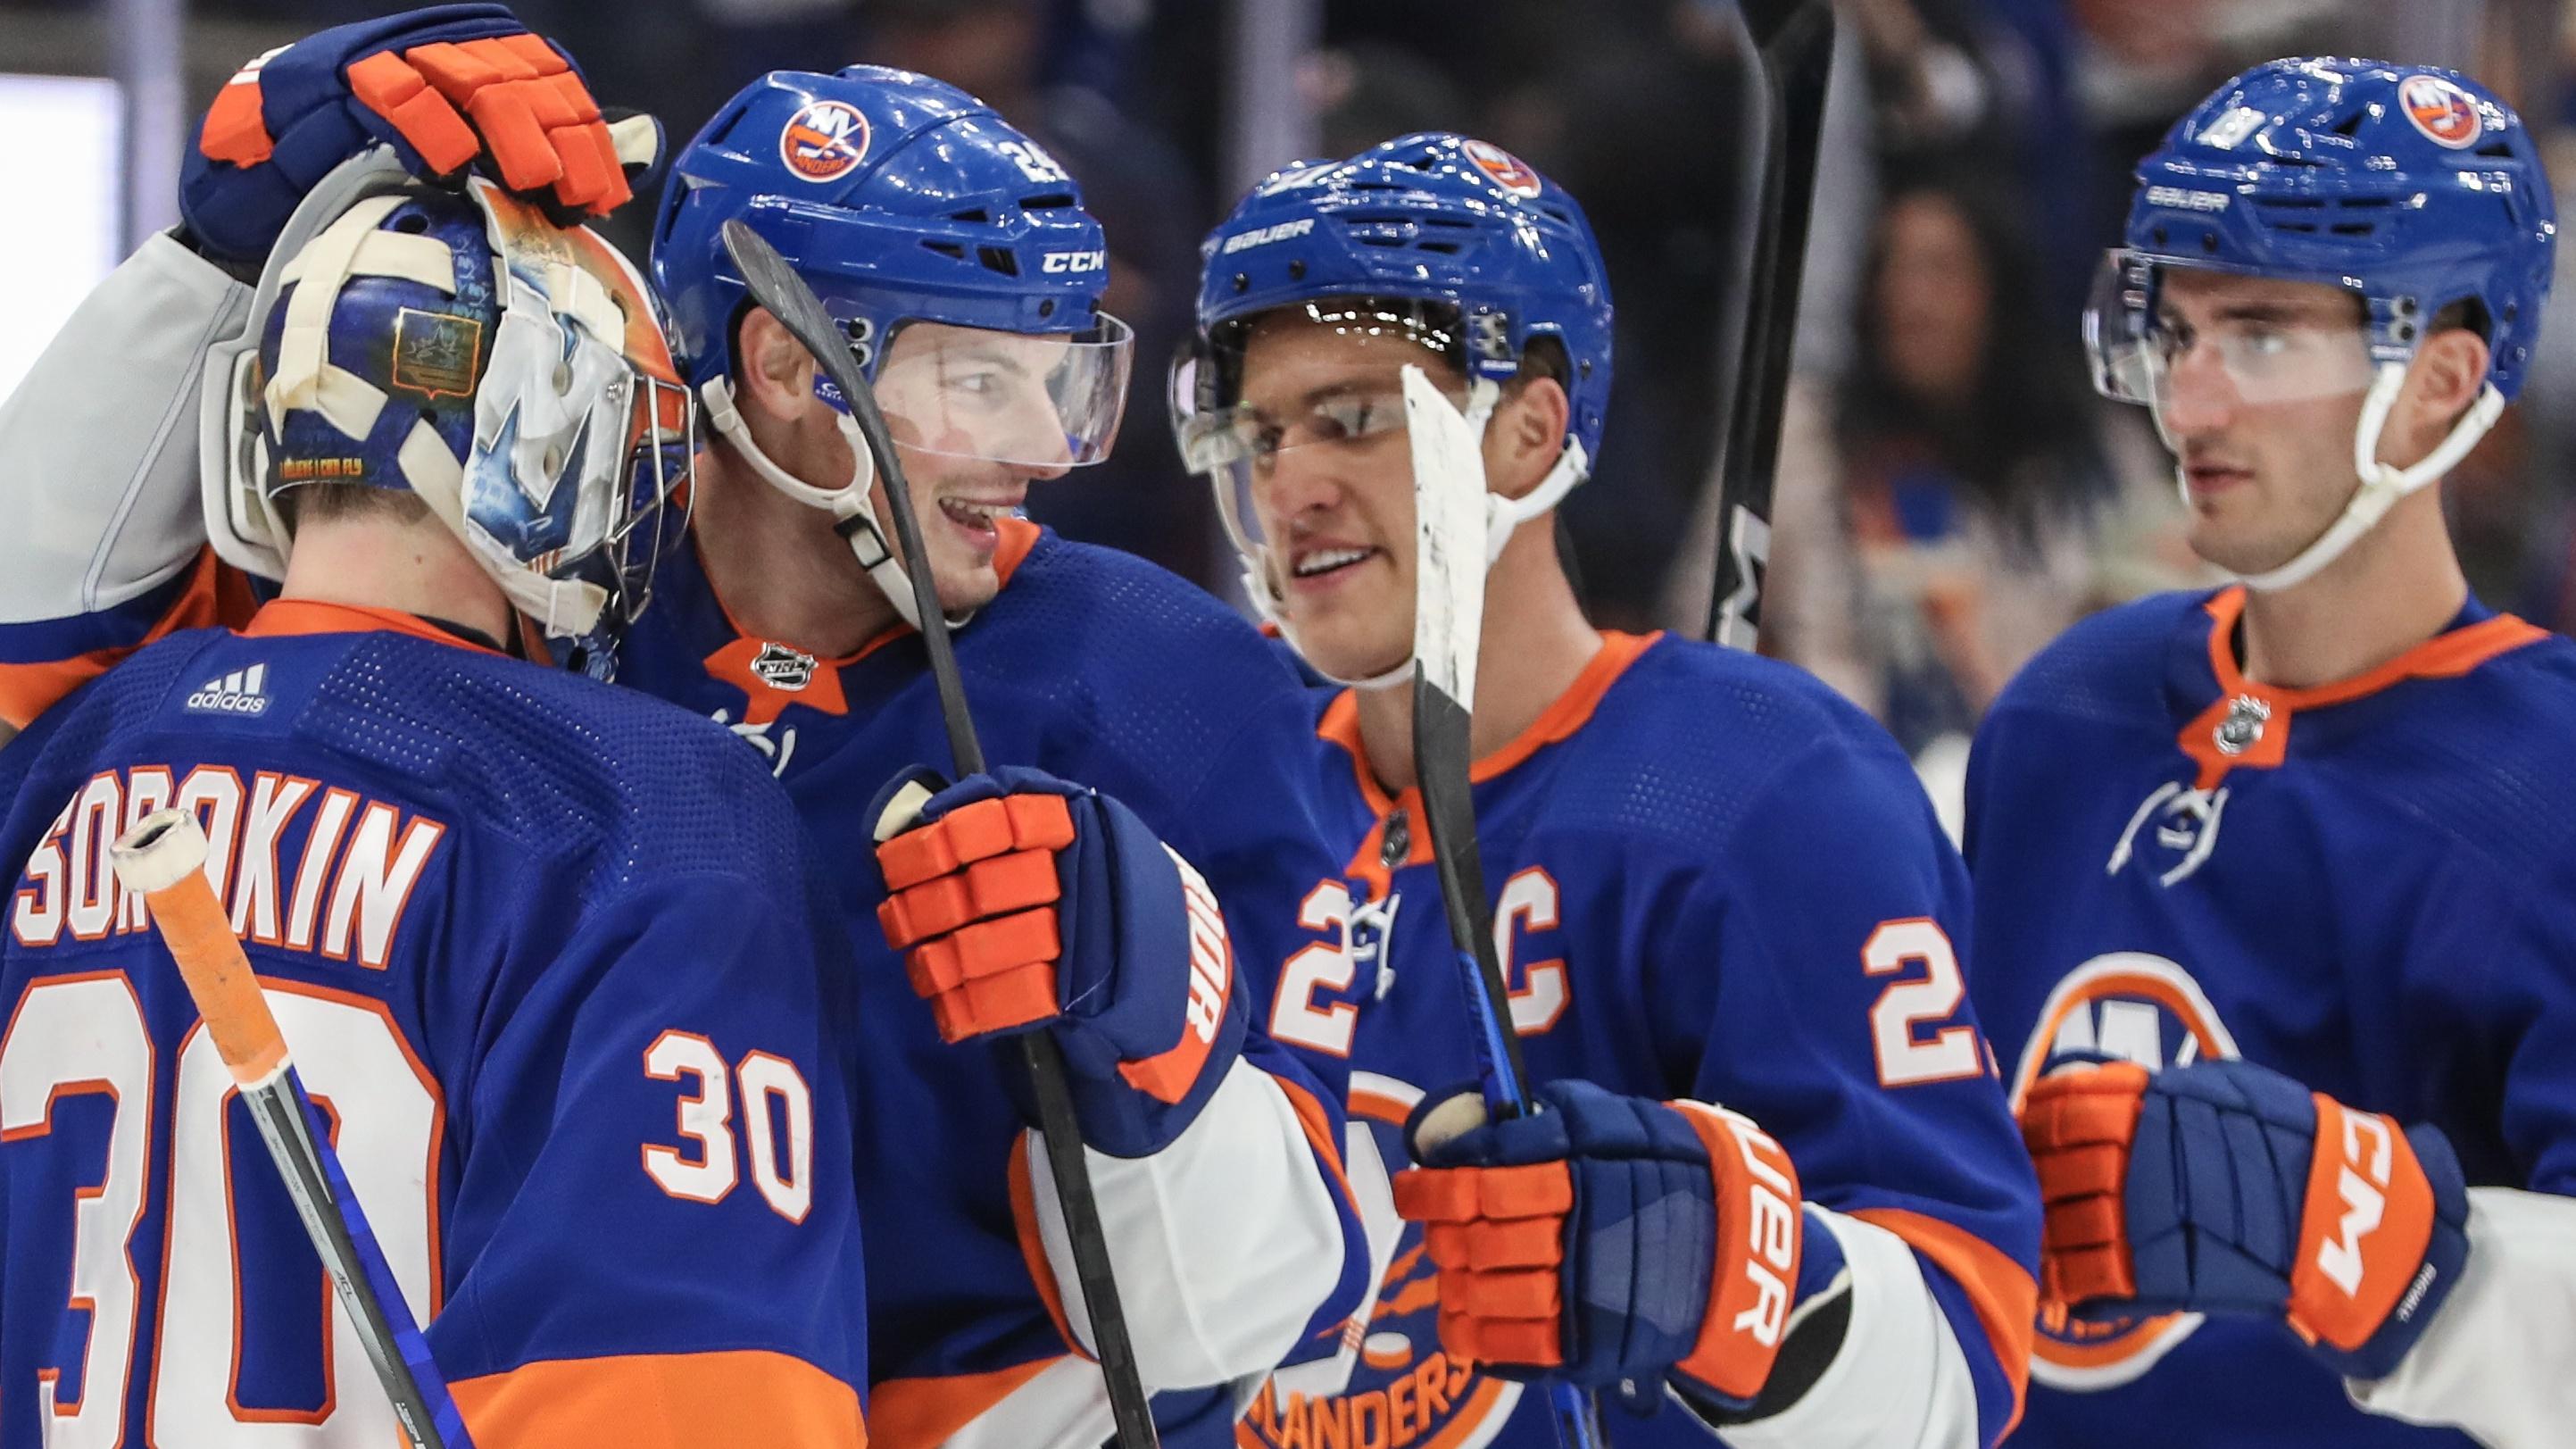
(510, 373)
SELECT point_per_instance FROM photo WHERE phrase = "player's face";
(2265, 474)
(1337, 513)
(957, 399)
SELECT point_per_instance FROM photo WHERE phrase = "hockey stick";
(1449, 532)
(164, 858)
(774, 285)
(1793, 41)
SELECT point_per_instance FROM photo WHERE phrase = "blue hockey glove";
(1021, 901)
(2223, 1187)
(1605, 1238)
(445, 86)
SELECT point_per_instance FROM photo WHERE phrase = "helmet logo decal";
(2442, 111)
(824, 141)
(436, 353)
(2229, 131)
(1262, 236)
(1509, 171)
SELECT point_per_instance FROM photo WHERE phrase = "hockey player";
(2292, 855)
(970, 277)
(1773, 1179)
(548, 952)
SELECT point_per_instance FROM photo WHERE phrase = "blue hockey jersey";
(551, 959)
(1711, 880)
(1098, 668)
(2365, 886)
(1092, 665)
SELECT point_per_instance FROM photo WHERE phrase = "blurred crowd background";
(1951, 493)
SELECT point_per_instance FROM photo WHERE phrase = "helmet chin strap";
(1502, 515)
(2381, 485)
(852, 518)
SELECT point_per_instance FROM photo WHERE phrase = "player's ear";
(1526, 435)
(2448, 373)
(773, 368)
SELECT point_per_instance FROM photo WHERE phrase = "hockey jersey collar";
(286, 618)
(751, 662)
(1569, 712)
(2248, 724)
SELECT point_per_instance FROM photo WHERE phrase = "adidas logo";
(244, 691)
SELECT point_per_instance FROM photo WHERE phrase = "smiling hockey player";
(960, 257)
(2294, 855)
(1725, 910)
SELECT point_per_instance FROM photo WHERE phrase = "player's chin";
(1345, 645)
(965, 587)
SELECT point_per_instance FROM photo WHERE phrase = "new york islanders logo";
(2135, 1007)
(1404, 1391)
(2441, 110)
(824, 141)
(1509, 171)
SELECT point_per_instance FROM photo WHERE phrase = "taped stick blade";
(1450, 519)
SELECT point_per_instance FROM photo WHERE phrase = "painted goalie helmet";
(457, 346)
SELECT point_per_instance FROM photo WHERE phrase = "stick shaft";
(192, 924)
(775, 286)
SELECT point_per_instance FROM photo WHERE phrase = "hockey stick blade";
(1451, 519)
(163, 859)
(1793, 43)
(776, 287)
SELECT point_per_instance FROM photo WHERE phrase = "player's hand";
(2222, 1187)
(1021, 901)
(446, 86)
(1584, 1240)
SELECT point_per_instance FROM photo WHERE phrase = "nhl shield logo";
(2243, 727)
(780, 667)
(2442, 111)
(824, 141)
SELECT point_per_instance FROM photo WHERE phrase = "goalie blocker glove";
(2224, 1187)
(446, 86)
(1023, 902)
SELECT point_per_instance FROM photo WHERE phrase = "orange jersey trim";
(1024, 1218)
(741, 1399)
(1317, 1124)
(2004, 1294)
(214, 594)
(2444, 656)
(289, 618)
(1568, 713)
(921, 1413)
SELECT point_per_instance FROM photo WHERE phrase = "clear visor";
(1045, 400)
(2148, 339)
(1346, 395)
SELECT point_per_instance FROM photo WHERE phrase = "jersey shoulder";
(2488, 757)
(1163, 669)
(565, 764)
(2110, 666)
(1693, 737)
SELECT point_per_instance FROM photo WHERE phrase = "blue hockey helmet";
(901, 200)
(2412, 188)
(1473, 253)
(512, 374)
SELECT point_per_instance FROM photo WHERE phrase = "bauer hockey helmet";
(900, 199)
(2412, 188)
(458, 346)
(1451, 243)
